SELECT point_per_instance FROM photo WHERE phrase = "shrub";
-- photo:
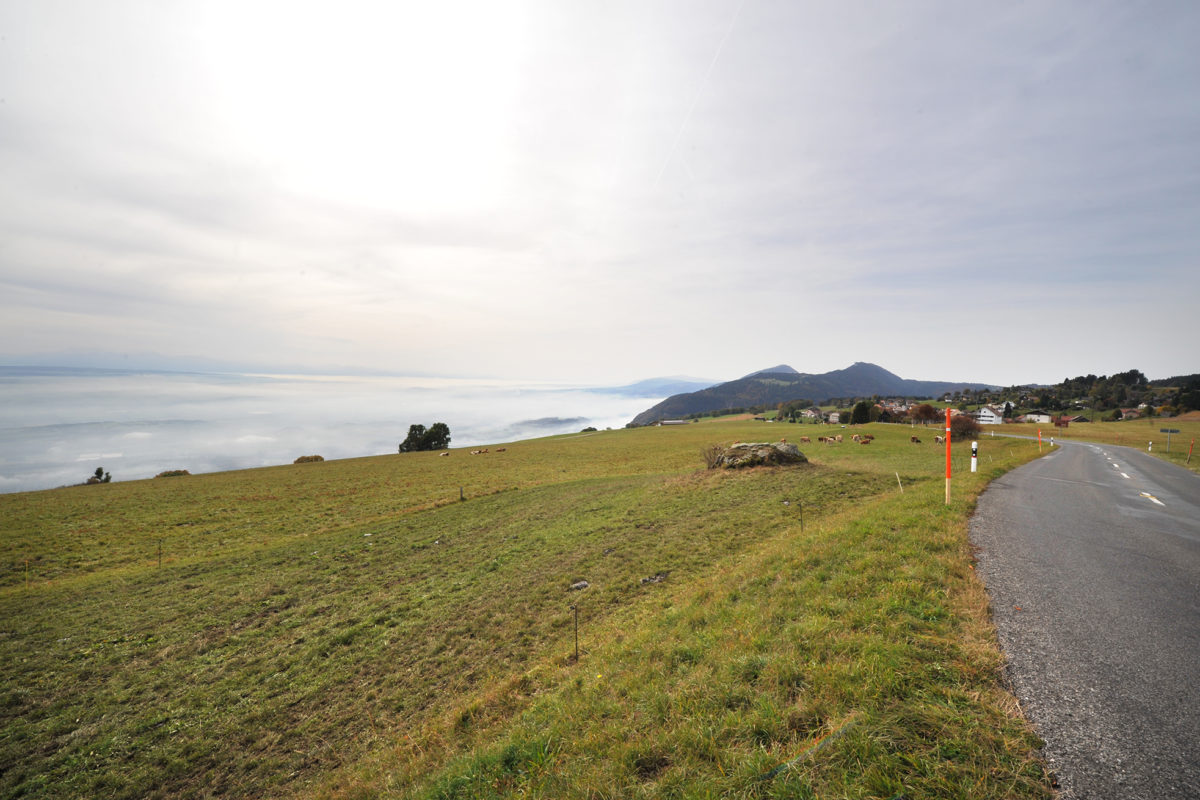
(712, 455)
(308, 459)
(962, 426)
(172, 473)
(100, 476)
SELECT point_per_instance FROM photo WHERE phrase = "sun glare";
(406, 107)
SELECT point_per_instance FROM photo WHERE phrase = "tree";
(923, 413)
(437, 437)
(416, 433)
(100, 476)
(861, 413)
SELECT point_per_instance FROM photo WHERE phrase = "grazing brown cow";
(856, 438)
(914, 440)
(822, 438)
(865, 441)
(805, 440)
(501, 449)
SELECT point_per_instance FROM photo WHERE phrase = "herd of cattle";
(864, 438)
(476, 452)
(860, 438)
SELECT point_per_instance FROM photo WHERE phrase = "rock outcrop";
(758, 454)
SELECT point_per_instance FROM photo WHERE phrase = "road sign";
(1168, 430)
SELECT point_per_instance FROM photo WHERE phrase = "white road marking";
(1123, 475)
(1152, 498)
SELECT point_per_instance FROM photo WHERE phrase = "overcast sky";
(602, 192)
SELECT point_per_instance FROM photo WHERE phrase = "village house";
(989, 415)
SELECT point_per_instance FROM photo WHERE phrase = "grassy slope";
(351, 629)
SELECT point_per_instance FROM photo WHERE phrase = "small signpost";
(1168, 432)
(974, 455)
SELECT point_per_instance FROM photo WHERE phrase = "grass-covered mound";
(353, 628)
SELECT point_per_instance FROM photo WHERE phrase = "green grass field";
(1138, 433)
(354, 629)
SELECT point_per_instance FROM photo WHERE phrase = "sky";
(602, 192)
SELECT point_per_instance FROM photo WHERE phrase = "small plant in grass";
(712, 455)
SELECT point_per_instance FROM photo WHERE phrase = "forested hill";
(782, 384)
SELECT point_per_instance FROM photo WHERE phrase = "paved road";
(1091, 556)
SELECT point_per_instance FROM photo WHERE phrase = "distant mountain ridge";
(782, 384)
(657, 387)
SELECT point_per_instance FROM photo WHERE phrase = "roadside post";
(1190, 446)
(974, 455)
(1039, 440)
(1168, 432)
(947, 455)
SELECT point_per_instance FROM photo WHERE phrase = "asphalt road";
(1091, 556)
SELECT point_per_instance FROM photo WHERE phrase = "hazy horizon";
(57, 429)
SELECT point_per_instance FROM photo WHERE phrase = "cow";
(865, 441)
(822, 439)
(914, 440)
(856, 438)
(939, 439)
(838, 438)
(501, 449)
(805, 440)
(444, 454)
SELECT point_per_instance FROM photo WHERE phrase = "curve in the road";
(1091, 557)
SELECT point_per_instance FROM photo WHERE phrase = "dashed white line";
(1123, 475)
(1152, 498)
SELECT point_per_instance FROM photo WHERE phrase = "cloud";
(586, 193)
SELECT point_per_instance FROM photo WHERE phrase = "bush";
(308, 459)
(172, 473)
(963, 426)
(712, 455)
(100, 476)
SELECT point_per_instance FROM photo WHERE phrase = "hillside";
(782, 384)
(353, 629)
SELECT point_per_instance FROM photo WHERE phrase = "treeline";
(1103, 393)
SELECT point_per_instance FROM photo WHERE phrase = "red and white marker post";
(947, 455)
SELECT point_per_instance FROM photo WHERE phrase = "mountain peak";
(782, 368)
(859, 380)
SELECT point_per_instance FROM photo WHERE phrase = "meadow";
(1144, 434)
(404, 626)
